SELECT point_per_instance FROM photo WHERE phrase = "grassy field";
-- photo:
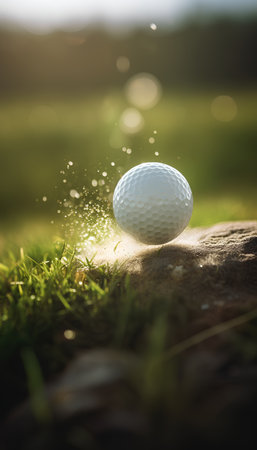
(54, 305)
(39, 136)
(45, 287)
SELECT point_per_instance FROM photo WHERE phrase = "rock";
(208, 267)
(211, 272)
(90, 398)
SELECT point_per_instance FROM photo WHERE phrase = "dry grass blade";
(207, 334)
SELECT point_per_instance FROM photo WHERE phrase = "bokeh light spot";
(69, 334)
(143, 90)
(224, 108)
(123, 64)
(116, 138)
(131, 121)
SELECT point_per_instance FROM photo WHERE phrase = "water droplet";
(112, 164)
(104, 174)
(153, 26)
(44, 198)
(64, 180)
(151, 140)
(94, 183)
(70, 163)
(129, 151)
(156, 153)
(74, 193)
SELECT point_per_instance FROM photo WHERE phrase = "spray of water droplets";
(85, 213)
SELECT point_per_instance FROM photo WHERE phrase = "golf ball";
(153, 202)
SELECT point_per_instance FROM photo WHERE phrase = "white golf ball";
(153, 202)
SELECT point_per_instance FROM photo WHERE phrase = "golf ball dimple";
(153, 202)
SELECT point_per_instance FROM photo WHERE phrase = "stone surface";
(209, 267)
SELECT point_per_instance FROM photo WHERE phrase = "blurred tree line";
(196, 54)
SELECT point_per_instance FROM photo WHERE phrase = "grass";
(45, 293)
(53, 303)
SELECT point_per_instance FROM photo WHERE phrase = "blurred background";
(90, 89)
